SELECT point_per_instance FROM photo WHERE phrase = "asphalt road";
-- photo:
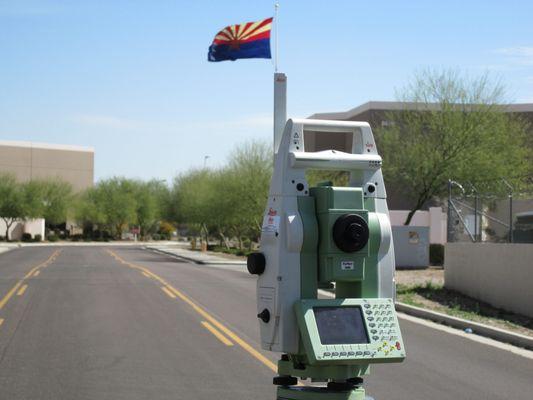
(124, 323)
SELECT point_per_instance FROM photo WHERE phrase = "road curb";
(480, 329)
(195, 260)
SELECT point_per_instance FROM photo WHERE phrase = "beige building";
(28, 160)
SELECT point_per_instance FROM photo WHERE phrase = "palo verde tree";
(11, 201)
(457, 128)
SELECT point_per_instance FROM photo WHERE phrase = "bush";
(26, 237)
(166, 228)
(52, 237)
(76, 238)
(436, 254)
(156, 236)
(38, 238)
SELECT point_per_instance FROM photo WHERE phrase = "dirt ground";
(415, 277)
(413, 289)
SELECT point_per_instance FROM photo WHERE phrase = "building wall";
(32, 226)
(497, 273)
(434, 219)
(29, 161)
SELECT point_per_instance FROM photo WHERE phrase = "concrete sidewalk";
(198, 257)
(8, 246)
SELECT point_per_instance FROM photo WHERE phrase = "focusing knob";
(350, 233)
(264, 316)
(256, 263)
(285, 380)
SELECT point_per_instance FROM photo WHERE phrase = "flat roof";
(45, 146)
(400, 105)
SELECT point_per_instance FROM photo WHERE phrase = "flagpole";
(280, 90)
(276, 6)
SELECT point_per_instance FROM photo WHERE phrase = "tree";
(151, 199)
(55, 198)
(11, 201)
(458, 129)
(246, 184)
(194, 198)
(230, 201)
(110, 204)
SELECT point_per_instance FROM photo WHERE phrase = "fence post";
(511, 217)
(449, 232)
(476, 228)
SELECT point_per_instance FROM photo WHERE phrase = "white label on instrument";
(270, 223)
(347, 265)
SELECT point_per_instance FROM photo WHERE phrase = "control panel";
(350, 331)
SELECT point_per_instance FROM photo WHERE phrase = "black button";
(343, 353)
(264, 316)
(366, 305)
(359, 353)
(375, 337)
(256, 263)
(370, 318)
(351, 353)
(372, 324)
(366, 353)
(334, 354)
(373, 331)
(327, 354)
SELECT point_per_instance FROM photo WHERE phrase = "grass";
(438, 298)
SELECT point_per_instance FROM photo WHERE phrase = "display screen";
(340, 325)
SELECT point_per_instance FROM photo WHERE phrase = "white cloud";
(518, 55)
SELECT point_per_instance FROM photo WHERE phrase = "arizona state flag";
(248, 40)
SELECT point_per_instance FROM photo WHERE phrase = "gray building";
(376, 113)
(28, 160)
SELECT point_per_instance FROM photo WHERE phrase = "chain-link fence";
(500, 212)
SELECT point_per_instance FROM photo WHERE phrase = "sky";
(131, 78)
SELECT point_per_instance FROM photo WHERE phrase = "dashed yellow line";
(208, 317)
(36, 273)
(168, 292)
(217, 333)
(22, 290)
(145, 274)
(12, 291)
(1, 321)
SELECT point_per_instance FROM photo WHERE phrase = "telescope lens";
(350, 233)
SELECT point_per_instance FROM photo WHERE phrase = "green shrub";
(76, 238)
(436, 254)
(52, 237)
(156, 236)
(38, 238)
(26, 237)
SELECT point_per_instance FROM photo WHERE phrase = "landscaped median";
(421, 293)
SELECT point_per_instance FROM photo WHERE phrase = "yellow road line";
(36, 273)
(145, 274)
(217, 333)
(1, 321)
(228, 332)
(22, 290)
(168, 292)
(10, 294)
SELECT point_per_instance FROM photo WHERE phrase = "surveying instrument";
(338, 238)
